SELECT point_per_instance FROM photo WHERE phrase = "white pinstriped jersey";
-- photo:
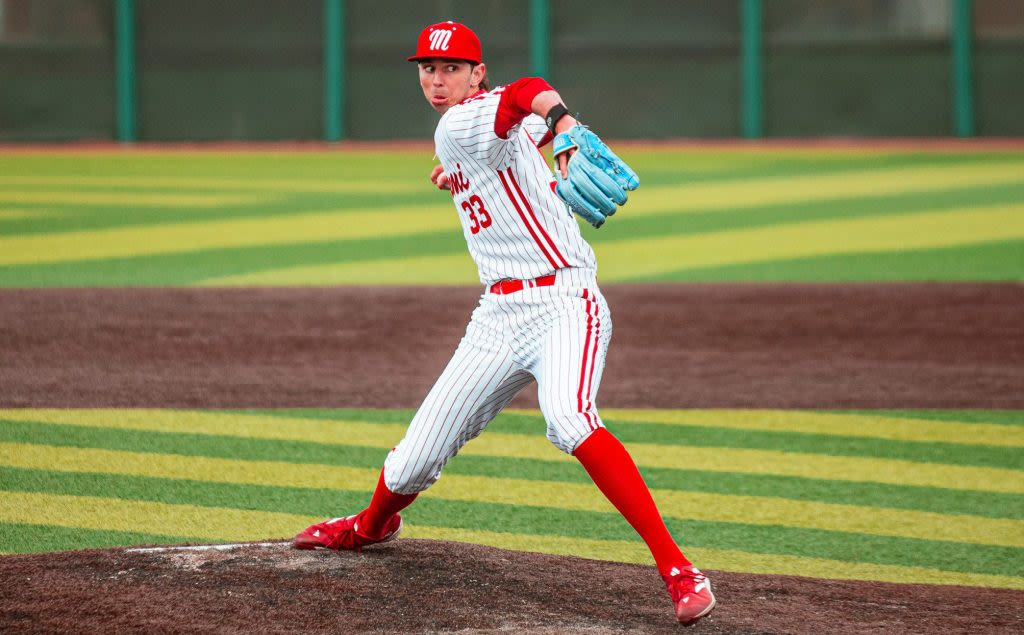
(557, 333)
(514, 223)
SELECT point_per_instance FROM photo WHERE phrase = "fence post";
(540, 37)
(125, 69)
(753, 65)
(334, 70)
(963, 80)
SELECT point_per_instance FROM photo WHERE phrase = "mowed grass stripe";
(875, 426)
(106, 217)
(652, 200)
(186, 268)
(444, 269)
(248, 165)
(220, 264)
(338, 185)
(707, 196)
(85, 218)
(22, 212)
(524, 519)
(845, 424)
(745, 435)
(552, 466)
(220, 524)
(1001, 417)
(628, 226)
(128, 199)
(111, 514)
(990, 261)
(985, 262)
(628, 259)
(409, 163)
(561, 495)
(637, 258)
(666, 164)
(404, 415)
(39, 538)
(990, 504)
(483, 460)
(178, 427)
(221, 234)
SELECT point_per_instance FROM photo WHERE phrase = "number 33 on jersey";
(478, 216)
(473, 205)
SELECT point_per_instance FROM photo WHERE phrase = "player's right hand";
(439, 178)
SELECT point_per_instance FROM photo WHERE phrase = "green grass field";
(279, 218)
(931, 497)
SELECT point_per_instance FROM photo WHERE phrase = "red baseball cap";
(448, 39)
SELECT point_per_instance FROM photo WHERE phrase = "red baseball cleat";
(343, 533)
(691, 593)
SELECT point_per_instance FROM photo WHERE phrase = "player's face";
(447, 82)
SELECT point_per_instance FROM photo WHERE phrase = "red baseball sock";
(612, 468)
(383, 506)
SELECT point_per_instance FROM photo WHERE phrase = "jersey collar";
(479, 93)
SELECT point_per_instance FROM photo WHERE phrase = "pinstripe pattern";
(535, 127)
(558, 335)
(478, 382)
(568, 366)
(532, 233)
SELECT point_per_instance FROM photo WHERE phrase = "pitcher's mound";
(421, 586)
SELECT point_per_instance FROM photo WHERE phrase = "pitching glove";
(597, 179)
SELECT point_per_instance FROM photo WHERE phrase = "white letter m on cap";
(439, 39)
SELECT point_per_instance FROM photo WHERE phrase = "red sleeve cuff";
(516, 103)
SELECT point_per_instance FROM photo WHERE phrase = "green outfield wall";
(204, 70)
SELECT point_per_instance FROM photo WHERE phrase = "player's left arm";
(557, 120)
(589, 177)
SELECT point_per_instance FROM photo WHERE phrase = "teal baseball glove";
(597, 180)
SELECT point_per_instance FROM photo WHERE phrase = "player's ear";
(478, 74)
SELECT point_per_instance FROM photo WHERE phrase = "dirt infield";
(871, 346)
(416, 586)
(786, 346)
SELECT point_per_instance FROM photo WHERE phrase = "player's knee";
(402, 476)
(568, 430)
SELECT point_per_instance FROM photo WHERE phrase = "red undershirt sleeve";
(516, 103)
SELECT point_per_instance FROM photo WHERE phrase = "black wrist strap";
(557, 112)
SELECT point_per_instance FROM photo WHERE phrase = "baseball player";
(541, 315)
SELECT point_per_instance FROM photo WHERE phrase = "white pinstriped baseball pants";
(558, 335)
